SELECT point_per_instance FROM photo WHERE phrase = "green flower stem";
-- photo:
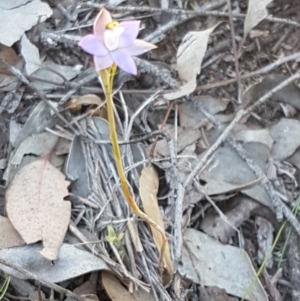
(4, 287)
(106, 78)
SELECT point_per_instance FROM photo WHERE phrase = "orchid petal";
(101, 21)
(124, 61)
(131, 31)
(138, 47)
(103, 62)
(92, 45)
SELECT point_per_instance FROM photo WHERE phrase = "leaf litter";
(227, 196)
(36, 207)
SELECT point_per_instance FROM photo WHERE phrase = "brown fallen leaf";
(9, 56)
(117, 292)
(36, 207)
(9, 237)
(148, 191)
(75, 104)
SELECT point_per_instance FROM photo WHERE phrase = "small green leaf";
(109, 239)
(120, 237)
(111, 231)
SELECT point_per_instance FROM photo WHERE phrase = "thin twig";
(235, 55)
(260, 71)
(281, 208)
(143, 9)
(30, 275)
(25, 81)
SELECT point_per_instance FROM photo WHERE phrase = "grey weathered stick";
(280, 207)
(147, 9)
(239, 115)
(25, 81)
(179, 20)
(41, 280)
(235, 55)
(260, 71)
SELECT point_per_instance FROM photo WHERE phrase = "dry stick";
(260, 71)
(180, 19)
(151, 153)
(112, 264)
(107, 81)
(235, 55)
(179, 195)
(41, 280)
(175, 11)
(280, 207)
(25, 81)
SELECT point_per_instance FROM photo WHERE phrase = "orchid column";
(113, 44)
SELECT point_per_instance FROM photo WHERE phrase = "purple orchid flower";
(114, 42)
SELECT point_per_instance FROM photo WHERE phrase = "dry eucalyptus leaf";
(295, 158)
(211, 263)
(190, 114)
(75, 105)
(117, 292)
(36, 207)
(257, 11)
(215, 186)
(185, 138)
(221, 170)
(255, 135)
(50, 71)
(76, 169)
(25, 289)
(286, 136)
(240, 210)
(184, 90)
(40, 118)
(72, 262)
(189, 59)
(30, 54)
(38, 144)
(18, 17)
(288, 95)
(9, 237)
(149, 184)
(88, 99)
(191, 52)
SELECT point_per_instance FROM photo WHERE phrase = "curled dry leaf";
(117, 292)
(148, 191)
(72, 263)
(257, 11)
(189, 59)
(36, 207)
(75, 104)
(211, 263)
